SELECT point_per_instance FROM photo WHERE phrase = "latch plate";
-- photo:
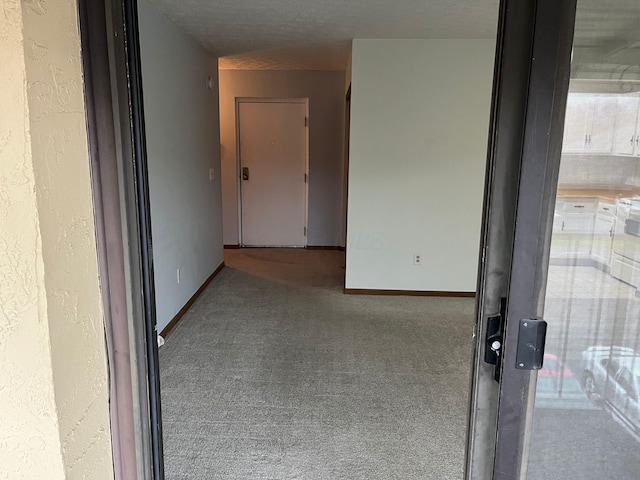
(531, 339)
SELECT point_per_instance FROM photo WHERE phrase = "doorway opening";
(268, 368)
(273, 371)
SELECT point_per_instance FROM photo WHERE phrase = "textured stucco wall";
(51, 325)
(29, 441)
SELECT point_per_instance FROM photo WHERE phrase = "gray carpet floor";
(274, 373)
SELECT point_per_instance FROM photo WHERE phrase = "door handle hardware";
(494, 339)
(531, 339)
(245, 173)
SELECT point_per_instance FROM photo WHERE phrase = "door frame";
(525, 142)
(538, 181)
(345, 173)
(112, 86)
(301, 100)
(504, 149)
(124, 116)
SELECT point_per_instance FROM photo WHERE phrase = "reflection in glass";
(586, 422)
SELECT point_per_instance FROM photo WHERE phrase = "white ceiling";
(316, 34)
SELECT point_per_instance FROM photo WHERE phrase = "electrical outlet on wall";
(212, 174)
(178, 275)
(417, 259)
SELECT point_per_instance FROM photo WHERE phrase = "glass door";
(556, 384)
(586, 412)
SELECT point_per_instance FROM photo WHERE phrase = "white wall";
(181, 117)
(419, 129)
(325, 91)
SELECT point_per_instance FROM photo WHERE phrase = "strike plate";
(531, 339)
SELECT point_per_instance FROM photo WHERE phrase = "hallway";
(274, 373)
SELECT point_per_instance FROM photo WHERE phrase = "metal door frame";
(301, 100)
(117, 151)
(506, 137)
(531, 83)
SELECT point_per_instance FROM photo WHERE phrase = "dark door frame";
(544, 128)
(531, 82)
(506, 136)
(115, 126)
(107, 208)
(345, 175)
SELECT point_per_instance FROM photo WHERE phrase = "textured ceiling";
(316, 34)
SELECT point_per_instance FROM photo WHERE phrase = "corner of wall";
(348, 69)
(59, 149)
(28, 418)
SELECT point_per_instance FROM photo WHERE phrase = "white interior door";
(273, 167)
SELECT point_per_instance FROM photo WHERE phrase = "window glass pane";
(586, 421)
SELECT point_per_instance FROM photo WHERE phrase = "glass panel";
(586, 421)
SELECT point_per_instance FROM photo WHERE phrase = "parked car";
(611, 378)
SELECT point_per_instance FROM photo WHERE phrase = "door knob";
(245, 173)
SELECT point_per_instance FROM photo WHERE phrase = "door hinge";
(305, 231)
(306, 121)
(306, 178)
